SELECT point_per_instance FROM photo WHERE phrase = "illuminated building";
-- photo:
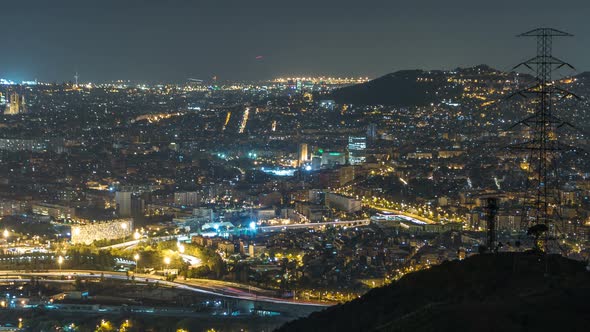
(328, 104)
(256, 250)
(54, 210)
(10, 207)
(356, 150)
(16, 105)
(334, 158)
(312, 212)
(343, 203)
(88, 231)
(186, 198)
(34, 145)
(302, 154)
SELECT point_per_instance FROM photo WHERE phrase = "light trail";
(198, 286)
(227, 117)
(244, 121)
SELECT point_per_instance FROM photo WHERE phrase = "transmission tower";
(541, 201)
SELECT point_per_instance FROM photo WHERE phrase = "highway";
(207, 287)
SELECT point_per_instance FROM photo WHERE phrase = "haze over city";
(170, 41)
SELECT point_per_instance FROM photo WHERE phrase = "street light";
(167, 262)
(136, 235)
(136, 258)
(5, 234)
(60, 261)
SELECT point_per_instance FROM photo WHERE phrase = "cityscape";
(312, 201)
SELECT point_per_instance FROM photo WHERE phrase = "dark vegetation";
(504, 292)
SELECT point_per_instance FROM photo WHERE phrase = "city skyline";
(156, 42)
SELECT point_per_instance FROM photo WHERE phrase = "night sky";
(171, 40)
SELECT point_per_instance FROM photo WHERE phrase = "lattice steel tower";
(541, 201)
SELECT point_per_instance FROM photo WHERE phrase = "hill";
(504, 292)
(402, 88)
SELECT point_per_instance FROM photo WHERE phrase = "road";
(209, 287)
(346, 223)
(403, 213)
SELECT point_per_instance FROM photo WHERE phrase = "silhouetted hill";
(505, 292)
(583, 77)
(402, 88)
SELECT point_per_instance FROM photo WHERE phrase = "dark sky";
(171, 40)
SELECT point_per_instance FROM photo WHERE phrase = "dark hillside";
(402, 88)
(505, 292)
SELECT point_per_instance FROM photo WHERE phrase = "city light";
(244, 195)
(60, 261)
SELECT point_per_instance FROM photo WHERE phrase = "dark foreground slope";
(505, 292)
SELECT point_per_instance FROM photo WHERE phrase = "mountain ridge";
(418, 87)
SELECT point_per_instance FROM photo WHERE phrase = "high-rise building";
(372, 131)
(316, 163)
(16, 105)
(123, 199)
(356, 149)
(302, 155)
(187, 198)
